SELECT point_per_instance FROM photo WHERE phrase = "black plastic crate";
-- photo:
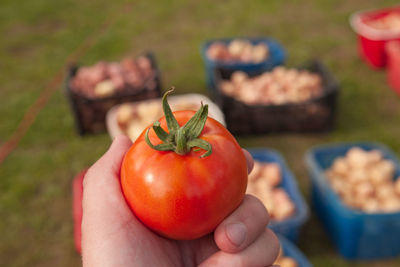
(90, 113)
(314, 115)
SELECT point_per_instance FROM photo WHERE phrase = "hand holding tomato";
(184, 175)
(113, 236)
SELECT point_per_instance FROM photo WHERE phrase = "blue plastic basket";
(356, 234)
(290, 227)
(277, 56)
(290, 250)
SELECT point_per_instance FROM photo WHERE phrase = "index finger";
(249, 159)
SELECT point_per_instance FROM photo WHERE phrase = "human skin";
(113, 236)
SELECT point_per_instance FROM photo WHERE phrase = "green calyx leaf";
(181, 139)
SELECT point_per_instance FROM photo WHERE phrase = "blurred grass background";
(39, 35)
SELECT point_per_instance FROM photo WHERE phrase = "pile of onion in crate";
(264, 181)
(250, 55)
(363, 222)
(279, 86)
(133, 117)
(275, 185)
(281, 100)
(238, 50)
(364, 180)
(93, 90)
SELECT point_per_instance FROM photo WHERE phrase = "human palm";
(113, 236)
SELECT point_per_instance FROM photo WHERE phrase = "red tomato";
(185, 196)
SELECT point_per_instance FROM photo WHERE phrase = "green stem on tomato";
(180, 139)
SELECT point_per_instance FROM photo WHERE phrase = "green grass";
(38, 36)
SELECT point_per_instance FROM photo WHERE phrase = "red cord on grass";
(46, 93)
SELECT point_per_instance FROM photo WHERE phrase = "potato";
(385, 191)
(340, 166)
(239, 77)
(135, 129)
(124, 114)
(246, 54)
(104, 88)
(228, 88)
(286, 262)
(370, 205)
(357, 158)
(271, 172)
(148, 112)
(391, 204)
(364, 180)
(364, 190)
(357, 176)
(283, 206)
(217, 51)
(259, 53)
(236, 48)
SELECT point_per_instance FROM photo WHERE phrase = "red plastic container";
(77, 193)
(393, 72)
(372, 41)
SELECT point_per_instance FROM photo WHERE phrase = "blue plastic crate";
(290, 227)
(277, 56)
(356, 234)
(290, 250)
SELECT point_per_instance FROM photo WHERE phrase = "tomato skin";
(185, 197)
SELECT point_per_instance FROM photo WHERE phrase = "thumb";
(104, 206)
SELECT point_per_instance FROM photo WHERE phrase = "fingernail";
(236, 233)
